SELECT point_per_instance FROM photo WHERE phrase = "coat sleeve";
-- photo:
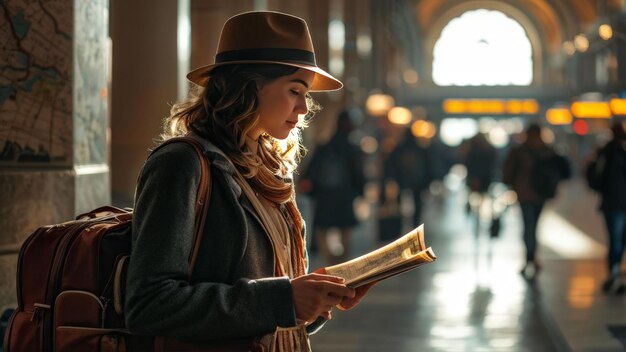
(160, 300)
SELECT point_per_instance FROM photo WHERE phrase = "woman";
(250, 276)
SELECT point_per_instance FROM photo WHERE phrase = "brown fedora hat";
(267, 37)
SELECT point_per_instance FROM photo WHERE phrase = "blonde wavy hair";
(226, 110)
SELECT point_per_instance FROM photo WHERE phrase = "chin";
(280, 135)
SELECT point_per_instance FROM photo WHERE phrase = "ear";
(259, 83)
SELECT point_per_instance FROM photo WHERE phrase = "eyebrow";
(297, 80)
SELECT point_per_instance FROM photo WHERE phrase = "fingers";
(337, 290)
(349, 302)
(320, 275)
(320, 271)
(316, 294)
(346, 304)
(329, 284)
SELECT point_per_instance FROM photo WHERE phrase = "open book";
(405, 253)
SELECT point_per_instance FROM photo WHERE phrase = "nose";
(301, 107)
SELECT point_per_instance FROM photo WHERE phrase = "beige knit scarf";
(274, 222)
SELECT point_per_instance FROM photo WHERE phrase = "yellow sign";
(491, 106)
(591, 109)
(559, 116)
(618, 106)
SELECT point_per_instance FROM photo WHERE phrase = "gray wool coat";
(232, 292)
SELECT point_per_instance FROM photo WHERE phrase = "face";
(281, 102)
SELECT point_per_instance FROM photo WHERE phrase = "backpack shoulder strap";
(203, 196)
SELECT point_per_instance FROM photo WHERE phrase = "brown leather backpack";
(71, 278)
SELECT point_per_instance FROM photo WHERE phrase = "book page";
(382, 259)
(423, 257)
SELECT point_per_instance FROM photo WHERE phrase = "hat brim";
(323, 81)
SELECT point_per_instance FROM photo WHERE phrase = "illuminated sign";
(491, 106)
(591, 109)
(618, 106)
(559, 116)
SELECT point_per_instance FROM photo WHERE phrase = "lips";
(292, 123)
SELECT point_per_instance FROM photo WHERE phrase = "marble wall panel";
(92, 190)
(91, 63)
(8, 265)
(30, 199)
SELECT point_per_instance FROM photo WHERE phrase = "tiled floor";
(473, 297)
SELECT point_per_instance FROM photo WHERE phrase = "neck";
(254, 134)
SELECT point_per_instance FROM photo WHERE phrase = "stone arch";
(483, 47)
(536, 41)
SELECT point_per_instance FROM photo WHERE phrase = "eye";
(294, 92)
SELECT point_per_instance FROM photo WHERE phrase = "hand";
(316, 294)
(350, 302)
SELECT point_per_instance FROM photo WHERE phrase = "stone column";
(619, 33)
(145, 84)
(53, 119)
(380, 45)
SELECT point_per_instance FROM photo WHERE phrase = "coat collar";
(217, 157)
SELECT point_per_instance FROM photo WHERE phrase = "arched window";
(483, 47)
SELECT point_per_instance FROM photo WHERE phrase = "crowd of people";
(533, 169)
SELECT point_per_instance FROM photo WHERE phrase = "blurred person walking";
(334, 179)
(606, 174)
(408, 165)
(533, 169)
(479, 157)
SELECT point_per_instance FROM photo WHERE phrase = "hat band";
(295, 56)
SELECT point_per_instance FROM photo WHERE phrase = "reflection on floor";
(473, 297)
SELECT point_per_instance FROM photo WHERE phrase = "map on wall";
(36, 82)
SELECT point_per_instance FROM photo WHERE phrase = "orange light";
(581, 127)
(618, 106)
(399, 115)
(581, 43)
(530, 106)
(605, 31)
(423, 129)
(559, 116)
(569, 48)
(454, 106)
(379, 104)
(514, 107)
(591, 109)
(490, 106)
